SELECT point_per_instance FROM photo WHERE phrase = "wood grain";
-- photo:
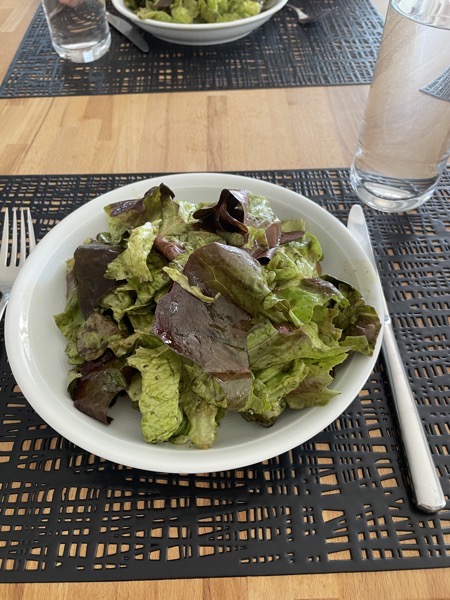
(396, 585)
(257, 129)
(15, 16)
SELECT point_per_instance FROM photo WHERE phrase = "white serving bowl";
(36, 348)
(201, 34)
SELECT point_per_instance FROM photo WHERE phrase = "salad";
(194, 11)
(192, 310)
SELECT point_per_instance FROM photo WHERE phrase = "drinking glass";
(404, 142)
(79, 29)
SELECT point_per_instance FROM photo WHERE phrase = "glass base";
(391, 195)
(79, 53)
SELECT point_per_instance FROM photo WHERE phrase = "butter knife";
(428, 494)
(129, 31)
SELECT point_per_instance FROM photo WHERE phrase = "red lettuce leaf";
(231, 214)
(213, 335)
(232, 272)
(99, 384)
(91, 261)
(169, 249)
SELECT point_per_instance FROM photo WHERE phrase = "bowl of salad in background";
(229, 20)
(36, 348)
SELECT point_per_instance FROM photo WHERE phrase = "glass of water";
(79, 29)
(404, 142)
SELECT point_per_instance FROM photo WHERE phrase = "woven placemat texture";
(336, 50)
(340, 502)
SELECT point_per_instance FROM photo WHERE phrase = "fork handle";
(3, 302)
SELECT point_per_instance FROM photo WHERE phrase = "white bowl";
(36, 348)
(201, 34)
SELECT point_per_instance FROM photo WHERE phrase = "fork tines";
(26, 235)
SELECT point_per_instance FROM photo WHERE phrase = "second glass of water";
(79, 29)
(404, 141)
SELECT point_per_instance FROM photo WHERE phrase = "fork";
(305, 19)
(9, 270)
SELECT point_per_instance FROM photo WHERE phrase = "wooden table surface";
(295, 128)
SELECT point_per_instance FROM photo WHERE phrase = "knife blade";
(427, 490)
(129, 31)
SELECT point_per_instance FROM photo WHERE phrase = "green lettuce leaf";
(204, 405)
(96, 334)
(359, 322)
(276, 345)
(119, 301)
(131, 264)
(309, 294)
(313, 392)
(294, 261)
(157, 204)
(270, 388)
(160, 370)
(71, 319)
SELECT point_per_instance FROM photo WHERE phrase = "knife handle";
(428, 493)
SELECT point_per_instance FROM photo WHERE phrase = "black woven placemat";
(340, 502)
(336, 50)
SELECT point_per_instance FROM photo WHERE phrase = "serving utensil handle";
(428, 493)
